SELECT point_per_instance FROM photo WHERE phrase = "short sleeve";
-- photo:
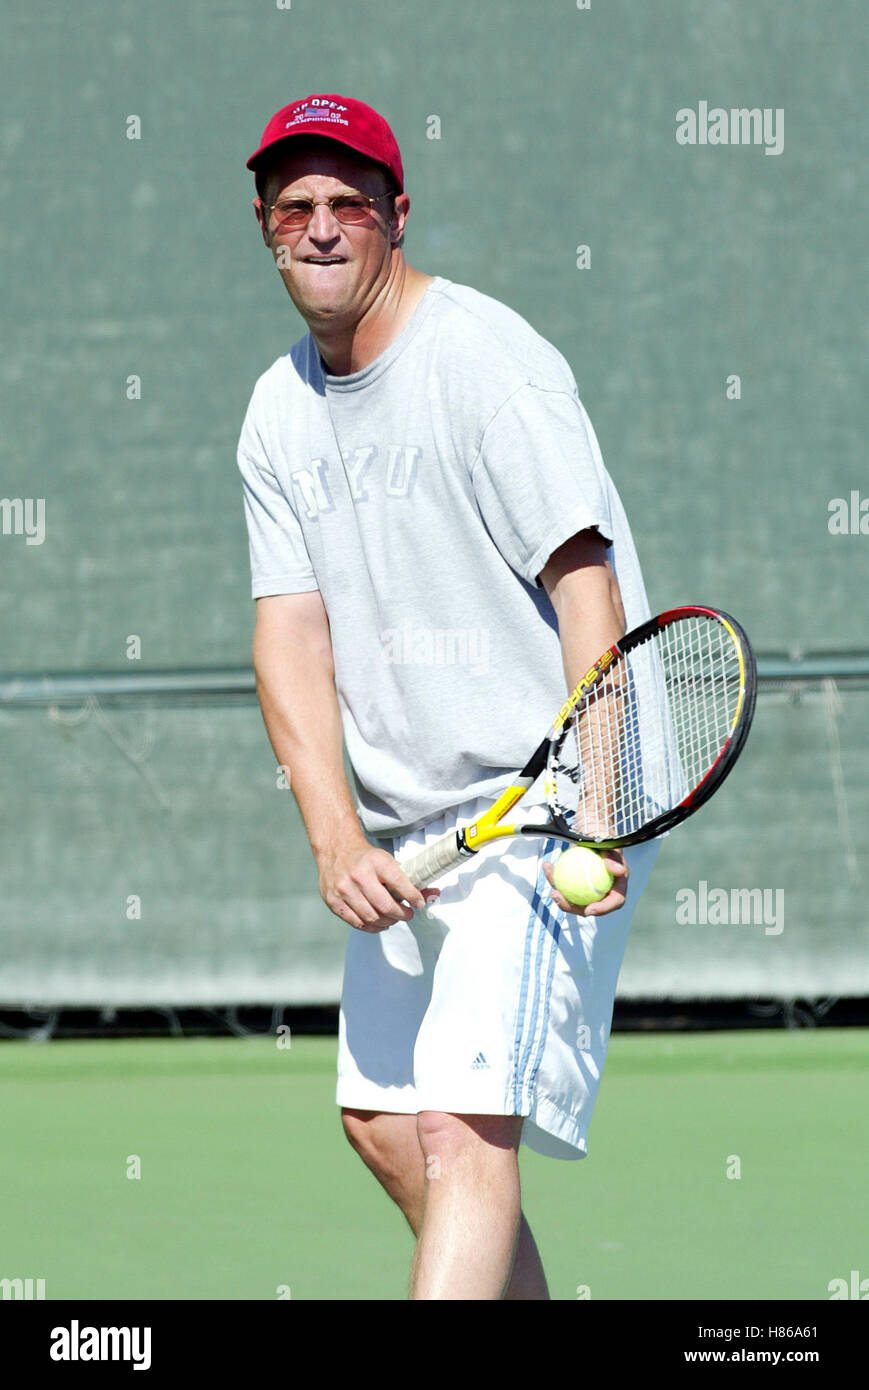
(279, 559)
(539, 478)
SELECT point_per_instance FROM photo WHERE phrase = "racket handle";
(430, 863)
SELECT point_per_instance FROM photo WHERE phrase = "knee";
(437, 1131)
(359, 1128)
(447, 1135)
(374, 1139)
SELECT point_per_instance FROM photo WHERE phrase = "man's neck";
(347, 348)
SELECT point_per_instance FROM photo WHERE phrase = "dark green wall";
(558, 129)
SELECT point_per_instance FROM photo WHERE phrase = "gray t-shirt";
(423, 496)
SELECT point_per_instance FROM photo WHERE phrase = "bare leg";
(527, 1282)
(390, 1147)
(470, 1229)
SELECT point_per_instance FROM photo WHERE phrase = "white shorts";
(492, 1002)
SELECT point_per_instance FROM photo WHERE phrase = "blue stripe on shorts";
(538, 966)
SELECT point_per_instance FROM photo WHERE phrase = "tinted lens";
(351, 209)
(294, 213)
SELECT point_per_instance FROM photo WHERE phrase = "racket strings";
(650, 732)
(703, 681)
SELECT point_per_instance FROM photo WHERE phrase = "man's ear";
(262, 219)
(400, 210)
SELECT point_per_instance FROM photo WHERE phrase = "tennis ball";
(582, 876)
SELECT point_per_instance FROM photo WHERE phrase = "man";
(417, 469)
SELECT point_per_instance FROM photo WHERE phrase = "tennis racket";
(641, 743)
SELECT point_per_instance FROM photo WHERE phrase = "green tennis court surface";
(247, 1183)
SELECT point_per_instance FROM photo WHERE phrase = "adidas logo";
(479, 1063)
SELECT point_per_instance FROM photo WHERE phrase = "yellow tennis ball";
(582, 876)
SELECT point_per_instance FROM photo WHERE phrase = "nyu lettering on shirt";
(422, 496)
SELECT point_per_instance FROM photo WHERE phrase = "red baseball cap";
(337, 118)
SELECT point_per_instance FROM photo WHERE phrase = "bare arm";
(587, 602)
(295, 677)
(585, 595)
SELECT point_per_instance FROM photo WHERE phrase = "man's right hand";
(361, 884)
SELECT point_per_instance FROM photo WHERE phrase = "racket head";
(658, 731)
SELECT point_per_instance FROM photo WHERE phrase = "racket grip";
(433, 861)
